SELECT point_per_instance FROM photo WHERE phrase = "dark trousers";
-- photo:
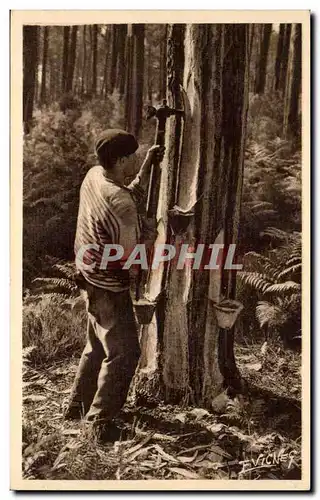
(111, 355)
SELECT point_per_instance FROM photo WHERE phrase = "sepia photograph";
(160, 250)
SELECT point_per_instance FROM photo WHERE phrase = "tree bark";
(65, 58)
(94, 59)
(121, 44)
(139, 33)
(129, 73)
(203, 171)
(44, 65)
(89, 64)
(84, 60)
(263, 59)
(163, 66)
(292, 125)
(135, 79)
(149, 85)
(54, 77)
(277, 68)
(285, 58)
(104, 89)
(255, 60)
(224, 103)
(114, 56)
(71, 58)
(30, 61)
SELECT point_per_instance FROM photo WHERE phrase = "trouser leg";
(85, 383)
(117, 332)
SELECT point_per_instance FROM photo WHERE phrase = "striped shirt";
(107, 215)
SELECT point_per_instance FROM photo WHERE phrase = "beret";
(120, 143)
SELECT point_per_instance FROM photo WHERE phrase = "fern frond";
(269, 314)
(259, 282)
(294, 259)
(283, 288)
(289, 271)
(255, 206)
(57, 283)
(275, 233)
(257, 257)
(68, 269)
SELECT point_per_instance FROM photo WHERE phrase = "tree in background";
(291, 123)
(282, 58)
(88, 60)
(65, 58)
(84, 59)
(135, 77)
(129, 71)
(163, 65)
(94, 59)
(285, 57)
(277, 68)
(71, 58)
(263, 58)
(45, 45)
(55, 51)
(121, 39)
(113, 63)
(148, 73)
(106, 49)
(30, 62)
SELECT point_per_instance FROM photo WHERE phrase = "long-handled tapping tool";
(144, 308)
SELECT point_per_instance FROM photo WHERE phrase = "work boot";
(103, 431)
(73, 411)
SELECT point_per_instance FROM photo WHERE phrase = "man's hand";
(155, 154)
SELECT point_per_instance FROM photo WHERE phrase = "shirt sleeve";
(137, 191)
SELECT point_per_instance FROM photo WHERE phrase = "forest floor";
(249, 437)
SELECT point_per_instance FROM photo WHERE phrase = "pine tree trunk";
(71, 58)
(277, 68)
(84, 61)
(148, 84)
(113, 65)
(65, 58)
(54, 85)
(285, 58)
(129, 76)
(30, 62)
(94, 59)
(107, 58)
(139, 32)
(89, 65)
(44, 64)
(256, 58)
(77, 77)
(121, 44)
(203, 169)
(223, 101)
(263, 58)
(135, 79)
(163, 66)
(292, 125)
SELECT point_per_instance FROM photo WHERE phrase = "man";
(108, 215)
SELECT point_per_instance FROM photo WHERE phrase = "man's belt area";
(120, 278)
